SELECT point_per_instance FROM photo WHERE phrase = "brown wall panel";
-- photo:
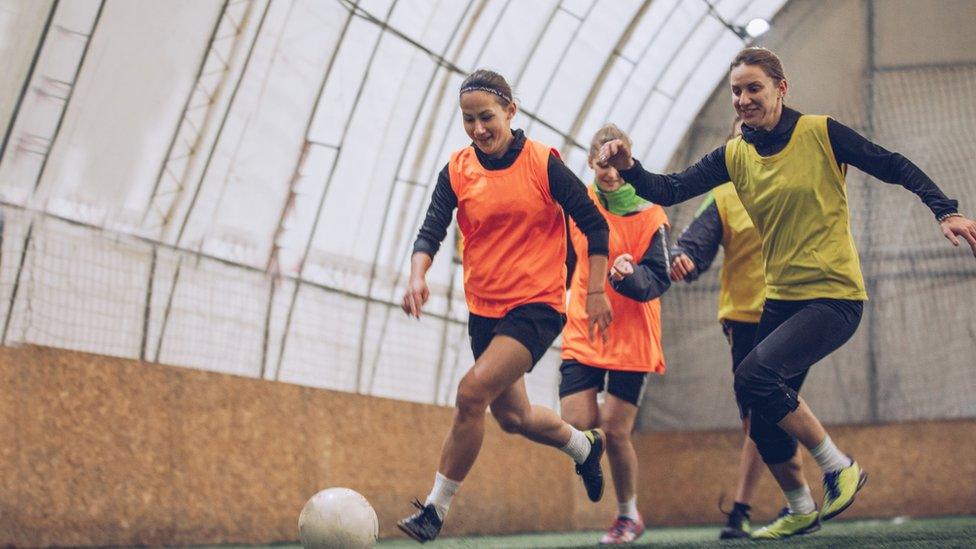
(90, 449)
(10, 518)
(238, 449)
(913, 470)
(104, 451)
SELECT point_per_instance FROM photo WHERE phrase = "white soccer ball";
(338, 518)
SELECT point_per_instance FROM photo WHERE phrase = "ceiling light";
(757, 27)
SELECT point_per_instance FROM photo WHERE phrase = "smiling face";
(487, 122)
(756, 96)
(607, 179)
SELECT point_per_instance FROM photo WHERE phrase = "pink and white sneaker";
(624, 530)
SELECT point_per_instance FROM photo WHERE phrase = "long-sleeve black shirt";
(849, 147)
(701, 239)
(566, 189)
(650, 277)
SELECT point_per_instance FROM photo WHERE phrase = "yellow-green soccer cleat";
(839, 489)
(789, 524)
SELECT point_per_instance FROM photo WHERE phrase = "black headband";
(485, 89)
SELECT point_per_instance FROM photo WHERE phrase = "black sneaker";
(590, 470)
(737, 525)
(424, 525)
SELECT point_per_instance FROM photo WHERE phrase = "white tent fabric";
(254, 171)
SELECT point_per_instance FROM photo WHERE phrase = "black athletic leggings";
(742, 338)
(792, 336)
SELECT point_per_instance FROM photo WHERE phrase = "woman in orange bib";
(620, 365)
(510, 194)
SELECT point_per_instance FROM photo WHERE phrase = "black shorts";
(534, 325)
(576, 376)
(742, 338)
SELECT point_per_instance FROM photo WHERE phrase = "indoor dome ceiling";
(283, 133)
(219, 141)
(235, 185)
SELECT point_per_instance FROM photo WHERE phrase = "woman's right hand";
(415, 297)
(615, 154)
(681, 266)
(599, 315)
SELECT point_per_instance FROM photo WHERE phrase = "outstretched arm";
(704, 175)
(698, 244)
(852, 148)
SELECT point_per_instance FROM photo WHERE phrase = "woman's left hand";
(959, 226)
(599, 315)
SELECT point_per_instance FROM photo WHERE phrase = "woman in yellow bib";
(619, 367)
(786, 168)
(721, 220)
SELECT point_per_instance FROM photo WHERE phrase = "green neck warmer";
(621, 201)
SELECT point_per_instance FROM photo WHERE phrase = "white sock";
(578, 446)
(828, 457)
(442, 493)
(628, 508)
(801, 502)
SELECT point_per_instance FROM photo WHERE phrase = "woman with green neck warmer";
(620, 198)
(620, 365)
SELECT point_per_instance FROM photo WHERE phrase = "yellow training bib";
(797, 199)
(742, 285)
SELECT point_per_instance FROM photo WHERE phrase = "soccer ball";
(340, 518)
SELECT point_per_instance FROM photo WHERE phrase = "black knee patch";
(760, 391)
(767, 399)
(774, 444)
(774, 407)
(775, 450)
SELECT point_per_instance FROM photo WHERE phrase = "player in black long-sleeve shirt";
(848, 147)
(566, 189)
(786, 168)
(721, 221)
(650, 277)
(510, 194)
(620, 366)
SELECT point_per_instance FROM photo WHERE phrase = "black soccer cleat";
(737, 525)
(590, 470)
(424, 525)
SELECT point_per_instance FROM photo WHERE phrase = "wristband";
(943, 217)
